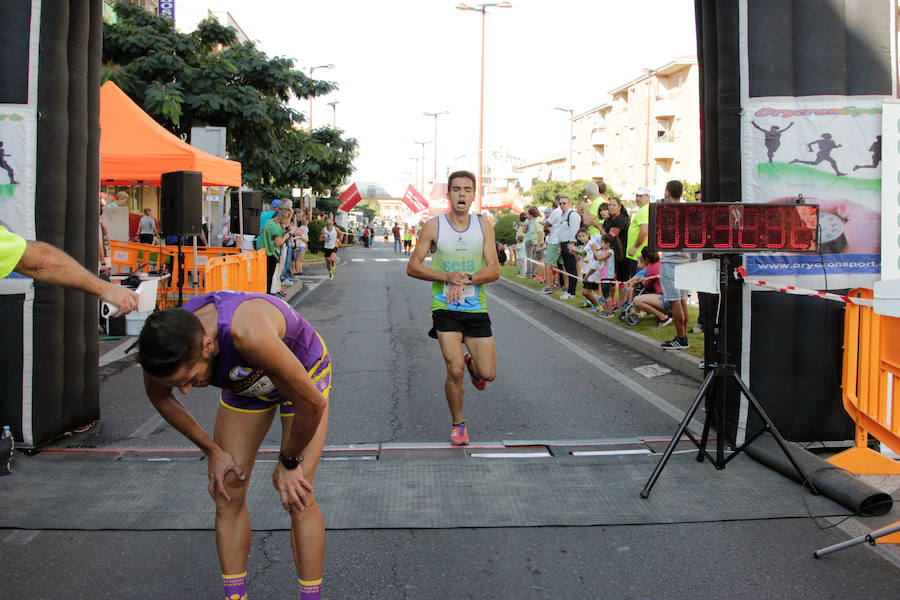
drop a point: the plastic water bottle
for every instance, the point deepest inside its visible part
(7, 446)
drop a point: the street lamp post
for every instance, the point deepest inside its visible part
(333, 104)
(482, 8)
(311, 69)
(423, 164)
(571, 119)
(416, 176)
(435, 115)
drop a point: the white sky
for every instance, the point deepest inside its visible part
(396, 60)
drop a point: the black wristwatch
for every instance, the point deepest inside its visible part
(469, 276)
(289, 463)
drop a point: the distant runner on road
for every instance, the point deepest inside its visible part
(332, 238)
(464, 258)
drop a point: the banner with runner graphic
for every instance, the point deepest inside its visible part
(827, 152)
(18, 115)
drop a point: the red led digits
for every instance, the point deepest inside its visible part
(695, 231)
(775, 236)
(667, 231)
(734, 227)
(748, 234)
(722, 234)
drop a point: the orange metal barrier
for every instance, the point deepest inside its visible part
(195, 261)
(243, 272)
(871, 385)
(125, 257)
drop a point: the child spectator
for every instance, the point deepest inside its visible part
(605, 259)
(520, 251)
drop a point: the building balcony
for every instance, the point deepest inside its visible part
(598, 138)
(664, 109)
(598, 170)
(663, 150)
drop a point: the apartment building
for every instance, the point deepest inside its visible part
(647, 134)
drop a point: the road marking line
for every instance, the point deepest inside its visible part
(664, 405)
(117, 353)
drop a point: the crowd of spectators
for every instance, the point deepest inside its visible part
(597, 243)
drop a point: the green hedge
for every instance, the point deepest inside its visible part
(503, 229)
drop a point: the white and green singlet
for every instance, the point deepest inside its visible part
(459, 251)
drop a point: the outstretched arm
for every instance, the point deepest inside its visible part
(49, 264)
(788, 127)
(757, 126)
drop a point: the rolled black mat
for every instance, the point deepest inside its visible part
(833, 482)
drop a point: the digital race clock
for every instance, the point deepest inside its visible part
(727, 227)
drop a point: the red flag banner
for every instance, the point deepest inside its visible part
(414, 200)
(349, 198)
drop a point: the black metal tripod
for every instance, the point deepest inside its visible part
(722, 372)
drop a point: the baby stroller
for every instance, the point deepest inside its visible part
(626, 309)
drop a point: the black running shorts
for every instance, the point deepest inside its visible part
(329, 251)
(469, 324)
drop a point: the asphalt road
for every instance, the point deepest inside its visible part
(556, 381)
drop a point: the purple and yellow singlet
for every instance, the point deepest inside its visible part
(245, 388)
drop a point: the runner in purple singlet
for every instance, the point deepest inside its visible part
(263, 355)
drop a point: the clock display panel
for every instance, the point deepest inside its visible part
(727, 227)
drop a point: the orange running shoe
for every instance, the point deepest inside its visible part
(478, 382)
(458, 434)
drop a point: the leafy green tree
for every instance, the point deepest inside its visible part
(690, 189)
(542, 193)
(205, 77)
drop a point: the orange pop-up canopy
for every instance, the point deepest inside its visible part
(136, 149)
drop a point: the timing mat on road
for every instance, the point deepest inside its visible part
(598, 490)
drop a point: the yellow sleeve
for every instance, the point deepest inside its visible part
(12, 247)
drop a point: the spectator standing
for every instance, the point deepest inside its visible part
(147, 227)
(637, 228)
(104, 248)
(522, 251)
(407, 239)
(265, 215)
(596, 194)
(551, 254)
(395, 230)
(569, 225)
(535, 227)
(271, 240)
(672, 297)
(302, 239)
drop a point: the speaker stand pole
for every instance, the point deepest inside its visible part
(241, 215)
(721, 372)
(180, 271)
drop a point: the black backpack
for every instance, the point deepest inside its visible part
(501, 253)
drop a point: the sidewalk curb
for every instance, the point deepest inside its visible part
(685, 364)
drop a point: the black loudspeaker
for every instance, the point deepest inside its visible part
(252, 203)
(181, 202)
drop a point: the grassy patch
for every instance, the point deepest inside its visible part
(646, 326)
